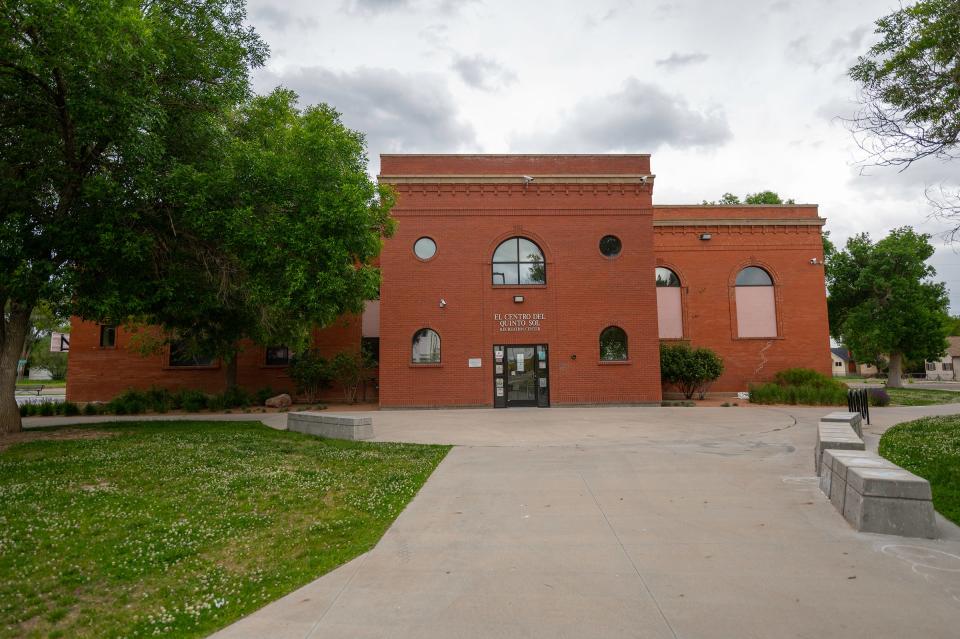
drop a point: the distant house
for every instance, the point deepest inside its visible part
(841, 360)
(844, 364)
(945, 367)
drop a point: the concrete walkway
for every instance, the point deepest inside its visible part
(626, 522)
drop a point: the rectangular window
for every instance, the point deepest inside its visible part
(948, 366)
(180, 355)
(108, 336)
(669, 312)
(277, 356)
(838, 364)
(370, 347)
(931, 366)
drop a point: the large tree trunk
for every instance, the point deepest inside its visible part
(13, 333)
(894, 379)
(230, 371)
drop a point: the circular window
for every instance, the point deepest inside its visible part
(610, 245)
(425, 248)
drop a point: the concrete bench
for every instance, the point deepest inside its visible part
(352, 427)
(875, 495)
(854, 420)
(834, 436)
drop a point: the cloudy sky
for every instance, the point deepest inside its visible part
(739, 95)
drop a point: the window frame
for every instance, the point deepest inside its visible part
(436, 249)
(777, 301)
(113, 329)
(626, 345)
(413, 341)
(518, 263)
(612, 256)
(266, 356)
(169, 365)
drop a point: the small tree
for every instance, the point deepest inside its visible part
(882, 302)
(41, 357)
(310, 372)
(691, 370)
(348, 370)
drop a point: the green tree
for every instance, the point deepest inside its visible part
(882, 302)
(953, 326)
(761, 197)
(691, 370)
(101, 105)
(910, 92)
(41, 357)
(280, 231)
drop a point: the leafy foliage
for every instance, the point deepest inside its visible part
(348, 370)
(909, 85)
(800, 386)
(878, 397)
(41, 357)
(311, 372)
(761, 197)
(691, 370)
(881, 299)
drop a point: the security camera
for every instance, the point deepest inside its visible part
(643, 179)
(443, 302)
(814, 261)
(527, 179)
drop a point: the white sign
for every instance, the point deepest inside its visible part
(743, 395)
(59, 342)
(474, 362)
(519, 362)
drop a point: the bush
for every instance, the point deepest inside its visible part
(70, 409)
(800, 386)
(46, 409)
(261, 396)
(159, 400)
(691, 370)
(878, 397)
(348, 371)
(90, 409)
(129, 402)
(190, 400)
(24, 410)
(310, 372)
(234, 398)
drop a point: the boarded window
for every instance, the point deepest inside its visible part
(756, 303)
(669, 305)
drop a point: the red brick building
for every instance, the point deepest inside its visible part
(543, 280)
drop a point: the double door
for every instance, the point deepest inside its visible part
(521, 375)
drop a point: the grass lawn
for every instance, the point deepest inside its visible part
(179, 528)
(921, 396)
(930, 447)
(49, 383)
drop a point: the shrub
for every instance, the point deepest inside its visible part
(800, 386)
(191, 400)
(24, 410)
(129, 402)
(70, 409)
(90, 409)
(262, 395)
(348, 371)
(691, 370)
(158, 400)
(878, 397)
(310, 372)
(46, 409)
(234, 398)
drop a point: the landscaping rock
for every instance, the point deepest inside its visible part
(279, 401)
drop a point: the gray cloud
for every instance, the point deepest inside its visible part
(397, 112)
(837, 109)
(369, 7)
(281, 19)
(910, 183)
(640, 117)
(839, 50)
(680, 60)
(481, 72)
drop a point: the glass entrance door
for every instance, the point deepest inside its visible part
(521, 379)
(520, 375)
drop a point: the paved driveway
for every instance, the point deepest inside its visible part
(620, 522)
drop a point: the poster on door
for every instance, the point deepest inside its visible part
(520, 361)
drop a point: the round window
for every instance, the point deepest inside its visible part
(425, 248)
(610, 245)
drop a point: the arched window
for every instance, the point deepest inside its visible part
(426, 347)
(756, 303)
(518, 261)
(669, 304)
(613, 344)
